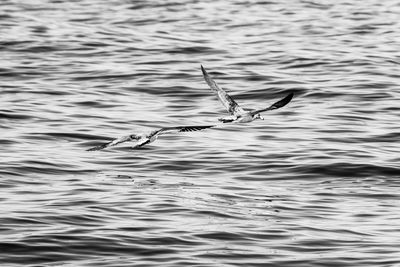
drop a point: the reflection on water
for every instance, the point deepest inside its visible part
(312, 185)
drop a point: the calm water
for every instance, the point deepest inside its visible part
(315, 184)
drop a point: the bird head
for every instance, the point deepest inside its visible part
(258, 116)
(135, 137)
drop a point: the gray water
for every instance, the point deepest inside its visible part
(315, 184)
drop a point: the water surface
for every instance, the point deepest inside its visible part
(315, 184)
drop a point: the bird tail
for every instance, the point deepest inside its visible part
(226, 120)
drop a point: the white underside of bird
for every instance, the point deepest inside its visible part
(238, 114)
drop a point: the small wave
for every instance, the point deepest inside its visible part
(14, 116)
(69, 136)
(345, 169)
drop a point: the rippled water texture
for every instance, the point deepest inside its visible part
(315, 184)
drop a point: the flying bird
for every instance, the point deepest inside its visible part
(144, 139)
(238, 114)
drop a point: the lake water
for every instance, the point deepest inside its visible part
(314, 184)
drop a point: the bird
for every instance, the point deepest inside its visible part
(238, 114)
(144, 139)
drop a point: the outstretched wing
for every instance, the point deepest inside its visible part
(231, 106)
(142, 143)
(114, 142)
(178, 129)
(281, 103)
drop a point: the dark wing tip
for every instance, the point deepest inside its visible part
(283, 102)
(203, 70)
(99, 147)
(195, 128)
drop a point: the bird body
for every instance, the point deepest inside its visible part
(246, 117)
